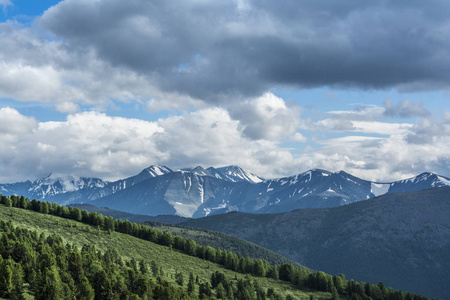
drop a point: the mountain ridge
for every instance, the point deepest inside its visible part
(198, 192)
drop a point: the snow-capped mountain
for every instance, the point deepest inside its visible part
(229, 173)
(197, 192)
(55, 187)
(55, 184)
(116, 186)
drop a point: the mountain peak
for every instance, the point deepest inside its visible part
(156, 170)
(236, 173)
(57, 177)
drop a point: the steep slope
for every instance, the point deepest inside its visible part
(373, 240)
(179, 193)
(123, 184)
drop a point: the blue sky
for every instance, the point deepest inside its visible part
(106, 88)
(24, 10)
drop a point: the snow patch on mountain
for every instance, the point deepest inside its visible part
(158, 170)
(444, 180)
(56, 183)
(379, 189)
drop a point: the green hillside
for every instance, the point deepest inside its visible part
(224, 241)
(41, 256)
(129, 247)
(201, 236)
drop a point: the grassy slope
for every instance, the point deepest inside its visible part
(201, 236)
(171, 261)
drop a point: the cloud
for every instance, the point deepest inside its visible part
(67, 107)
(217, 51)
(213, 65)
(379, 159)
(404, 109)
(5, 3)
(430, 130)
(98, 145)
(360, 112)
(267, 117)
(95, 144)
(12, 122)
(34, 68)
(86, 144)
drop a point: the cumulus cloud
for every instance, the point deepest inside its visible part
(95, 144)
(85, 144)
(267, 117)
(12, 122)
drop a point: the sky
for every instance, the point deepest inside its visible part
(106, 88)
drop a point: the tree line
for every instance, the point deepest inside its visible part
(300, 277)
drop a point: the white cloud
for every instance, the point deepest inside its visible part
(267, 117)
(87, 144)
(95, 144)
(298, 137)
(12, 122)
(67, 107)
(211, 137)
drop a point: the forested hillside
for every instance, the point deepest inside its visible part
(402, 239)
(223, 241)
(203, 237)
(78, 260)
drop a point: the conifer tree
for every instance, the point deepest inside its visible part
(191, 284)
(6, 276)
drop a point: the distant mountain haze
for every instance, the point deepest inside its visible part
(198, 192)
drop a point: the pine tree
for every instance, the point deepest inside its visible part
(6, 276)
(191, 283)
(85, 289)
(179, 278)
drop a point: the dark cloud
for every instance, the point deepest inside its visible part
(219, 49)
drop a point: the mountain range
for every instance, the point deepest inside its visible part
(198, 192)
